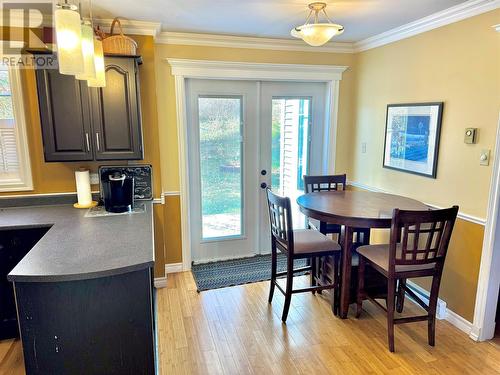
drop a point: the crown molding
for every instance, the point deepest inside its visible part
(231, 41)
(133, 27)
(454, 14)
(245, 70)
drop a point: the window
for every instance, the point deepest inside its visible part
(15, 171)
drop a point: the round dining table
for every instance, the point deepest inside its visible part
(353, 210)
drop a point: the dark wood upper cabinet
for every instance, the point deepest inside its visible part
(65, 117)
(116, 112)
(81, 123)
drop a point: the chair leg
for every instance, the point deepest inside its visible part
(273, 273)
(401, 295)
(322, 227)
(313, 272)
(336, 281)
(320, 269)
(432, 310)
(391, 291)
(361, 286)
(288, 291)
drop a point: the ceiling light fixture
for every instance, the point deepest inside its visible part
(100, 69)
(69, 39)
(88, 52)
(317, 33)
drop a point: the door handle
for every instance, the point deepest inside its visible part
(97, 141)
(88, 143)
(263, 185)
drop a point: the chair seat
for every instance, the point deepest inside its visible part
(310, 241)
(379, 255)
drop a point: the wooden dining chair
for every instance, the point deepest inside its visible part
(418, 245)
(314, 184)
(297, 244)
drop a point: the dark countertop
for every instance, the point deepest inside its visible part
(78, 247)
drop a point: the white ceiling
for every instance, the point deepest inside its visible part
(270, 18)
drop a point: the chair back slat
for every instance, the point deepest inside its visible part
(424, 236)
(280, 218)
(324, 183)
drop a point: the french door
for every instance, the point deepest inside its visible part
(242, 137)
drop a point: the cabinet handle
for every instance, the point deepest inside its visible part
(97, 141)
(88, 143)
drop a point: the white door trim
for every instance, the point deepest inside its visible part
(489, 275)
(204, 69)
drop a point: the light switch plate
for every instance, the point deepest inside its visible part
(484, 158)
(363, 147)
(470, 135)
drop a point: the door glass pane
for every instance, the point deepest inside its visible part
(220, 120)
(290, 146)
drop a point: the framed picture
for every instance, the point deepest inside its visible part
(412, 137)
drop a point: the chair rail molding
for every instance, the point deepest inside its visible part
(489, 278)
(182, 69)
(461, 215)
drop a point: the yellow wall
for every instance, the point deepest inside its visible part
(458, 64)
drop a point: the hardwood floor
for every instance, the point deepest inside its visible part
(11, 358)
(234, 330)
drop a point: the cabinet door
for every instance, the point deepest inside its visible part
(116, 112)
(65, 116)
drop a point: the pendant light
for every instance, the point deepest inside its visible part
(69, 39)
(316, 34)
(88, 52)
(100, 79)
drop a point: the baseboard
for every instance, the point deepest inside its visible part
(441, 310)
(444, 313)
(173, 268)
(461, 323)
(160, 282)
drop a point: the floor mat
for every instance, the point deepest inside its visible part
(232, 272)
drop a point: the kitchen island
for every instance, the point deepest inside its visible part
(84, 291)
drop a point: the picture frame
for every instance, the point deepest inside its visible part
(412, 133)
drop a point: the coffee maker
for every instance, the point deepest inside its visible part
(117, 191)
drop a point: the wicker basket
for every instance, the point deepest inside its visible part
(119, 44)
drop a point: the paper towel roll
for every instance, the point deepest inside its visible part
(83, 192)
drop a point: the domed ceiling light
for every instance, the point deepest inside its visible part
(317, 33)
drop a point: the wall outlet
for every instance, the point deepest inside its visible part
(94, 179)
(363, 147)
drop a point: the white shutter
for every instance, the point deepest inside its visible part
(9, 161)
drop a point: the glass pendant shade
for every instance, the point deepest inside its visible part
(317, 34)
(88, 52)
(69, 40)
(100, 79)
